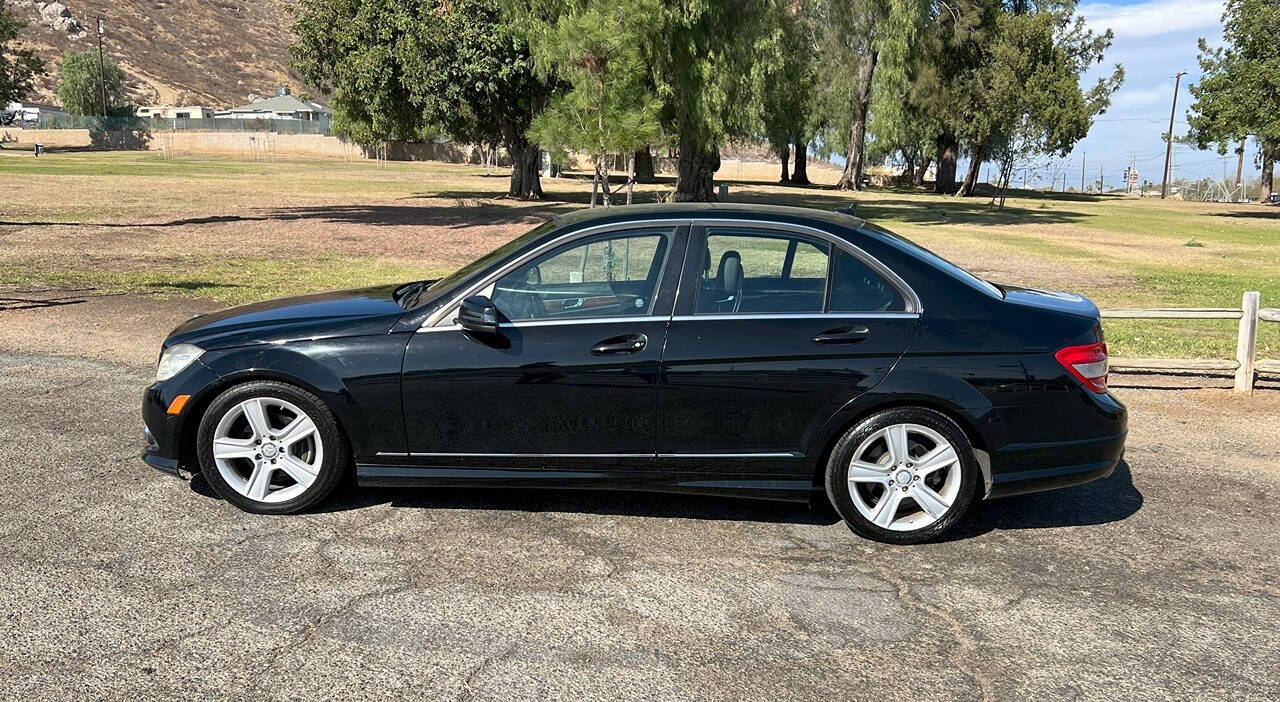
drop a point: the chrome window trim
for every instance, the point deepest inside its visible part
(795, 315)
(914, 305)
(492, 279)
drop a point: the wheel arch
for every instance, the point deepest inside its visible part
(963, 419)
(233, 375)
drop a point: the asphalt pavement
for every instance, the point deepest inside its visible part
(118, 582)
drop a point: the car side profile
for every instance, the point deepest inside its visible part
(738, 350)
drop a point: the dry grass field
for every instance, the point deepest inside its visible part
(233, 231)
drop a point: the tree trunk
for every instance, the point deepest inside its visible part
(696, 169)
(851, 179)
(644, 166)
(922, 171)
(948, 148)
(525, 181)
(971, 176)
(783, 156)
(1268, 168)
(800, 171)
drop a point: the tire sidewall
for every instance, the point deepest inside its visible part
(332, 466)
(842, 455)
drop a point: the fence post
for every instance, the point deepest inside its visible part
(1247, 342)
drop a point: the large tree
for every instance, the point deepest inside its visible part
(789, 92)
(707, 64)
(1006, 80)
(18, 65)
(409, 68)
(607, 109)
(864, 51)
(80, 88)
(1238, 94)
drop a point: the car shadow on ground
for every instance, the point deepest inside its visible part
(1110, 499)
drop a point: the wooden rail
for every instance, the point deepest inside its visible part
(1246, 364)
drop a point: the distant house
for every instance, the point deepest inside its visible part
(284, 106)
(171, 112)
(33, 111)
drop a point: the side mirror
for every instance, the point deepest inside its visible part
(477, 314)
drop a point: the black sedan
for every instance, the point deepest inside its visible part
(737, 350)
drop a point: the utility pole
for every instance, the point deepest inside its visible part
(1168, 153)
(102, 73)
(1083, 154)
(1239, 175)
(1101, 181)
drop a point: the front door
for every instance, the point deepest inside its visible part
(773, 333)
(570, 381)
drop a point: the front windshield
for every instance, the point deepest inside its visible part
(479, 264)
(921, 252)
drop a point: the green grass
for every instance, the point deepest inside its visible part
(1120, 252)
(230, 281)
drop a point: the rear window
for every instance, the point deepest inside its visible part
(913, 249)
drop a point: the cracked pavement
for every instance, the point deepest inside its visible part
(118, 581)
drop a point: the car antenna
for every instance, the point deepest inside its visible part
(851, 210)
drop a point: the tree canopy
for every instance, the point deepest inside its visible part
(80, 89)
(416, 68)
(18, 66)
(608, 108)
(1238, 94)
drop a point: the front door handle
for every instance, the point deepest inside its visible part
(628, 343)
(843, 335)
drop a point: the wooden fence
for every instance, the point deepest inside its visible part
(1246, 366)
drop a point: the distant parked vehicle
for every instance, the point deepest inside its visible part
(764, 352)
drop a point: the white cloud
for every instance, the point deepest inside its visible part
(1149, 19)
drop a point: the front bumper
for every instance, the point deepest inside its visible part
(164, 432)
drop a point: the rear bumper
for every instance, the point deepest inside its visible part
(1095, 428)
(1108, 450)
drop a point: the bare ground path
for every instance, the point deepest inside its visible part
(117, 581)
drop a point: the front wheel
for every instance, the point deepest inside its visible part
(902, 476)
(271, 448)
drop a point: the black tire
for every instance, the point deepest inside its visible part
(842, 455)
(333, 464)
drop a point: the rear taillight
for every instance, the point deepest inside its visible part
(1088, 363)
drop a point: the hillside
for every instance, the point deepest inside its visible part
(209, 52)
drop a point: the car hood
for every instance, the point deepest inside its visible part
(1069, 303)
(316, 316)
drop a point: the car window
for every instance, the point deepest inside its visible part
(749, 272)
(607, 276)
(856, 287)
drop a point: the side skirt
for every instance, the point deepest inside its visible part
(764, 487)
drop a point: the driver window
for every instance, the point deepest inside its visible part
(613, 275)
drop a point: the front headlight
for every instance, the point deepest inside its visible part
(175, 358)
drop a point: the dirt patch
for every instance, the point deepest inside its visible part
(87, 324)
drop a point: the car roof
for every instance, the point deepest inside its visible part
(727, 210)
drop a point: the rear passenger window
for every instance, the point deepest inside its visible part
(746, 272)
(856, 287)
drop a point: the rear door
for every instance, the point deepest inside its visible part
(776, 327)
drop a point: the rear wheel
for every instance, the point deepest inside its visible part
(271, 448)
(902, 476)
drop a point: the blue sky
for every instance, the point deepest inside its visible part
(1153, 40)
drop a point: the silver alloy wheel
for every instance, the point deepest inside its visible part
(267, 449)
(904, 477)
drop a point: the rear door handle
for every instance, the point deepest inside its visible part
(843, 335)
(628, 343)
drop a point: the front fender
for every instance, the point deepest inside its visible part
(357, 378)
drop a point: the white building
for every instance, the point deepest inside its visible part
(283, 106)
(32, 111)
(171, 112)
